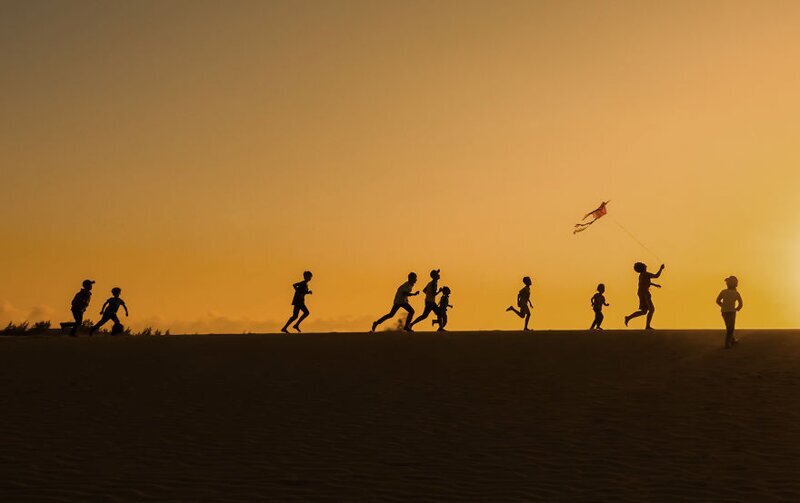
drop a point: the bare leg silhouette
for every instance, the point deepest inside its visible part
(430, 307)
(391, 314)
(105, 319)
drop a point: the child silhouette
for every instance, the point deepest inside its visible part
(110, 309)
(646, 306)
(598, 301)
(299, 302)
(444, 304)
(401, 302)
(730, 302)
(79, 304)
(523, 302)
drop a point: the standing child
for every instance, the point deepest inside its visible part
(524, 302)
(730, 303)
(79, 304)
(109, 310)
(401, 302)
(444, 303)
(646, 306)
(598, 301)
(299, 302)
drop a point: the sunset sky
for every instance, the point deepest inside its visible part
(201, 155)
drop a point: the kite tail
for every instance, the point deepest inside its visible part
(582, 227)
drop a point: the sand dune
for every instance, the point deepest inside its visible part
(481, 416)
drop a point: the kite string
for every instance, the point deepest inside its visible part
(630, 234)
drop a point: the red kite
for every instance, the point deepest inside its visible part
(595, 214)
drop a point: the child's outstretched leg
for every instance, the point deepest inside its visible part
(514, 310)
(634, 315)
(305, 314)
(295, 312)
(99, 324)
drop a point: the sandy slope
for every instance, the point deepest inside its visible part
(491, 416)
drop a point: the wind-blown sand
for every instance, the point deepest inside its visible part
(479, 416)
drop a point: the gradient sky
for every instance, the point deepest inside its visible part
(201, 155)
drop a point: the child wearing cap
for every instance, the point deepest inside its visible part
(79, 304)
(431, 290)
(730, 302)
(110, 309)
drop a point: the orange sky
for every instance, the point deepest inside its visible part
(201, 155)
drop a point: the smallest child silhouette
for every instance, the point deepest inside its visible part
(299, 302)
(109, 310)
(524, 302)
(444, 303)
(598, 301)
(730, 302)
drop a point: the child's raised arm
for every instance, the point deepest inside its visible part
(658, 274)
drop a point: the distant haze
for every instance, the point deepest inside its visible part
(201, 155)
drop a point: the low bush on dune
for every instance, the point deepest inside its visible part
(45, 327)
(25, 328)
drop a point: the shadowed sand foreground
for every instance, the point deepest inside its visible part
(488, 416)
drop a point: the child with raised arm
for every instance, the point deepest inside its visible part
(299, 302)
(524, 302)
(401, 302)
(110, 309)
(730, 302)
(646, 306)
(444, 304)
(598, 301)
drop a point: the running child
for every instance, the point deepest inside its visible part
(431, 290)
(646, 306)
(730, 302)
(598, 301)
(299, 302)
(401, 302)
(444, 304)
(523, 302)
(79, 304)
(110, 309)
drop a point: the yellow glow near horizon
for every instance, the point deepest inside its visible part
(201, 156)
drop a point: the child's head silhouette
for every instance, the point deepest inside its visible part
(307, 275)
(526, 280)
(412, 277)
(446, 290)
(116, 291)
(639, 267)
(87, 284)
(601, 288)
(732, 281)
(435, 274)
